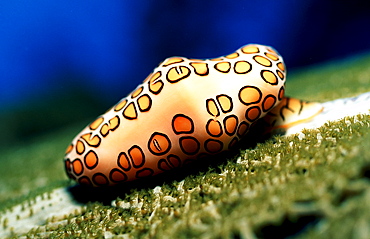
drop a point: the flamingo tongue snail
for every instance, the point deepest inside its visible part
(184, 110)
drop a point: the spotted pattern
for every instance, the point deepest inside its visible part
(130, 112)
(223, 67)
(159, 144)
(91, 160)
(100, 179)
(93, 141)
(225, 103)
(94, 125)
(112, 125)
(123, 161)
(269, 77)
(145, 172)
(230, 124)
(212, 108)
(118, 107)
(185, 110)
(189, 145)
(200, 68)
(242, 67)
(177, 73)
(253, 113)
(117, 176)
(214, 128)
(250, 95)
(144, 102)
(242, 129)
(137, 92)
(155, 84)
(137, 156)
(213, 145)
(80, 147)
(182, 124)
(172, 161)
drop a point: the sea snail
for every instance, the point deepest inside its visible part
(184, 110)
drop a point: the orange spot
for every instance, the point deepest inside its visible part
(120, 105)
(114, 123)
(242, 67)
(84, 180)
(68, 168)
(280, 74)
(163, 165)
(172, 60)
(104, 130)
(100, 179)
(182, 124)
(91, 159)
(189, 145)
(67, 164)
(155, 76)
(223, 67)
(281, 93)
(232, 143)
(137, 92)
(174, 160)
(159, 144)
(262, 60)
(253, 113)
(146, 172)
(268, 102)
(232, 55)
(69, 149)
(130, 112)
(281, 66)
(200, 68)
(144, 102)
(177, 73)
(269, 77)
(225, 102)
(94, 141)
(217, 59)
(212, 107)
(242, 129)
(155, 85)
(94, 125)
(214, 128)
(80, 147)
(272, 56)
(213, 146)
(77, 167)
(250, 49)
(117, 175)
(250, 95)
(230, 123)
(123, 161)
(137, 156)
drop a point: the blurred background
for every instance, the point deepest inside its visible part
(66, 61)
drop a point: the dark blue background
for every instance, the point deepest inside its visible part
(103, 49)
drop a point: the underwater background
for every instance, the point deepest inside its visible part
(65, 61)
(62, 63)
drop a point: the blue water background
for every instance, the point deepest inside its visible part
(103, 49)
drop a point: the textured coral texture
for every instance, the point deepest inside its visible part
(314, 184)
